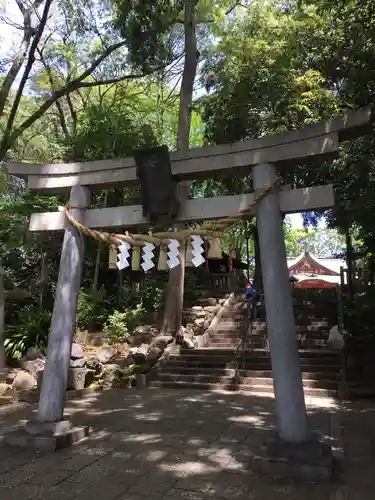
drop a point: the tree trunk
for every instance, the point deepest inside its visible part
(20, 57)
(175, 291)
(95, 281)
(2, 313)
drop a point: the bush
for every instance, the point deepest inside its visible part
(92, 310)
(116, 327)
(31, 330)
(119, 325)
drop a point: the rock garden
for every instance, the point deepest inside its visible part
(99, 361)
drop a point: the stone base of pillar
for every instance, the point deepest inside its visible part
(46, 436)
(311, 461)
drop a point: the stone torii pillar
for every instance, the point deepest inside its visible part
(292, 451)
(286, 370)
(50, 430)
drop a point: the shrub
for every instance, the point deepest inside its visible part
(92, 309)
(31, 330)
(116, 327)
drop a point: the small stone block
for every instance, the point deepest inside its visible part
(77, 378)
(46, 441)
(311, 461)
(35, 428)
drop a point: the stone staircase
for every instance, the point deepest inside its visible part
(214, 366)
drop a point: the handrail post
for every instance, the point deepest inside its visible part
(340, 309)
(343, 382)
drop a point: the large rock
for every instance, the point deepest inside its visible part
(139, 357)
(188, 343)
(199, 322)
(94, 364)
(201, 314)
(209, 301)
(142, 349)
(189, 329)
(77, 351)
(197, 309)
(125, 362)
(211, 309)
(111, 375)
(77, 363)
(162, 341)
(23, 381)
(143, 329)
(106, 354)
(33, 353)
(4, 388)
(33, 367)
(154, 353)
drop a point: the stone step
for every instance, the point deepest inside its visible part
(264, 365)
(313, 326)
(256, 364)
(261, 342)
(230, 372)
(268, 389)
(317, 370)
(247, 381)
(258, 353)
(257, 334)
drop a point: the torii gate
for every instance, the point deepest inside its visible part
(312, 144)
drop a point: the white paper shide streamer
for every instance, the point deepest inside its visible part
(123, 255)
(173, 254)
(147, 256)
(197, 246)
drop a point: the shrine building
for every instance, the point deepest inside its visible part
(311, 272)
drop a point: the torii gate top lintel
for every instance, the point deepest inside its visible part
(315, 142)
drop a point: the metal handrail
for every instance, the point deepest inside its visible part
(241, 344)
(244, 340)
(247, 333)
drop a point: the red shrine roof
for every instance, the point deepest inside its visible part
(307, 267)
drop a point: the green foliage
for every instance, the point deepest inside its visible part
(146, 25)
(31, 329)
(92, 309)
(260, 83)
(116, 327)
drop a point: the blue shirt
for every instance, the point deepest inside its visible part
(250, 292)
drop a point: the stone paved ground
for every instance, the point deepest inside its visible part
(174, 445)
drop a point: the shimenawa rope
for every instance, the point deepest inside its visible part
(207, 229)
